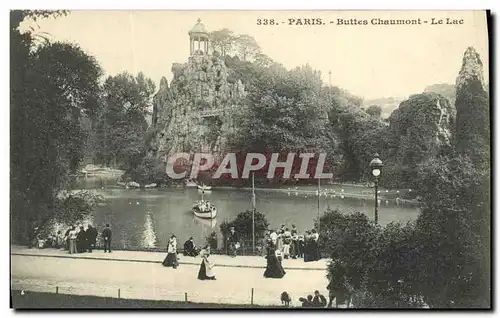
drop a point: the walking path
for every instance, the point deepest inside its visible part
(157, 257)
(139, 275)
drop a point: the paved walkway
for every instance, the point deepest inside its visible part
(156, 257)
(138, 275)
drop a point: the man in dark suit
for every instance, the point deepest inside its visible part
(189, 248)
(319, 300)
(106, 236)
(91, 233)
(81, 241)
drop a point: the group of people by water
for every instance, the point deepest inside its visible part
(283, 243)
(77, 239)
(289, 244)
(286, 243)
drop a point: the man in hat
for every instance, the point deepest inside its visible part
(91, 234)
(106, 236)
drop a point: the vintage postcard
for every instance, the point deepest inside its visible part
(250, 159)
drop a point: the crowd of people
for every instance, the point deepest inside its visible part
(78, 239)
(289, 244)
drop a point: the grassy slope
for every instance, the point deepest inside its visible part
(33, 300)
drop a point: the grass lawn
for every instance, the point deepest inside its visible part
(33, 300)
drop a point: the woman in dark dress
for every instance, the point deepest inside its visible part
(274, 268)
(206, 268)
(171, 258)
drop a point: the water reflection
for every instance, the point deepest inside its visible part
(148, 235)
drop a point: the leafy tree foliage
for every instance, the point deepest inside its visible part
(417, 131)
(282, 113)
(222, 41)
(243, 226)
(374, 110)
(246, 46)
(375, 266)
(52, 87)
(453, 231)
(445, 90)
(121, 127)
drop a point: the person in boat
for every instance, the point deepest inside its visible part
(171, 258)
(189, 248)
(206, 267)
(273, 268)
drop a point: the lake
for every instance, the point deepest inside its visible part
(143, 219)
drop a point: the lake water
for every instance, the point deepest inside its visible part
(143, 219)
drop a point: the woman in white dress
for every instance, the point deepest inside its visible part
(206, 268)
(171, 258)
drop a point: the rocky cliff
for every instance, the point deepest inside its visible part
(194, 113)
(473, 111)
(421, 127)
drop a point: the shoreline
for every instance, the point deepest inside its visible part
(326, 193)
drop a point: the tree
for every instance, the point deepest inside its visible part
(453, 231)
(52, 86)
(376, 266)
(246, 46)
(263, 60)
(149, 170)
(374, 110)
(121, 128)
(222, 41)
(447, 90)
(282, 113)
(421, 128)
(243, 226)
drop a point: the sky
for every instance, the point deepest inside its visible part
(370, 61)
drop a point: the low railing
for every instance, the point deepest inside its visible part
(253, 296)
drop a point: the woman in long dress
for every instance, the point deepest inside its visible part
(274, 268)
(206, 268)
(171, 258)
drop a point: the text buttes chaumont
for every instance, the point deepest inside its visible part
(379, 21)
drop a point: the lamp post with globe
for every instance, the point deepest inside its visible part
(376, 166)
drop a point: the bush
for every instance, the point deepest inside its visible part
(243, 226)
(377, 266)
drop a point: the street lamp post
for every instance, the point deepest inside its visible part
(376, 165)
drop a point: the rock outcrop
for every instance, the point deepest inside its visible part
(194, 113)
(473, 111)
(422, 126)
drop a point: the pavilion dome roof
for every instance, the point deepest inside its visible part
(199, 29)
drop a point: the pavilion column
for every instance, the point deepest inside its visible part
(191, 46)
(198, 44)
